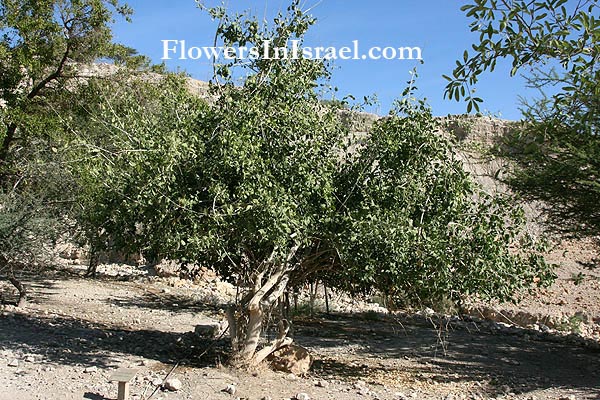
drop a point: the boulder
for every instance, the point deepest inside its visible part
(211, 331)
(292, 359)
(173, 384)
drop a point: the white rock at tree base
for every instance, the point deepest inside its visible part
(90, 370)
(173, 384)
(156, 381)
(302, 396)
(14, 363)
(231, 389)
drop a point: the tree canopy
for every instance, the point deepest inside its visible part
(265, 184)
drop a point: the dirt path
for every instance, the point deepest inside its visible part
(76, 332)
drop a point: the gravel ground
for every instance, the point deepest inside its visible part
(76, 332)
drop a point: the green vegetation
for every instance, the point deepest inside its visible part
(536, 36)
(41, 45)
(555, 44)
(571, 324)
(262, 183)
(264, 187)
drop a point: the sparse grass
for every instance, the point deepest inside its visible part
(571, 324)
(578, 278)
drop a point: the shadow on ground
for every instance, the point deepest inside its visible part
(70, 341)
(346, 346)
(424, 353)
(171, 302)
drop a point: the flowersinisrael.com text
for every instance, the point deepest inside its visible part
(179, 49)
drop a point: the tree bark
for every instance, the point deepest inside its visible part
(20, 288)
(11, 130)
(281, 341)
(249, 322)
(326, 298)
(93, 264)
(255, 313)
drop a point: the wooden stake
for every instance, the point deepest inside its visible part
(123, 376)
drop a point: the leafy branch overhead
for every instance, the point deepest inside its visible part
(536, 36)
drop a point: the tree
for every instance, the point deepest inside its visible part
(133, 140)
(245, 187)
(265, 185)
(555, 44)
(42, 46)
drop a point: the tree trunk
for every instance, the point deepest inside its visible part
(253, 331)
(93, 264)
(20, 288)
(247, 324)
(326, 298)
(8, 139)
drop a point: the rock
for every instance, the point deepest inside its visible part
(302, 396)
(428, 312)
(231, 389)
(90, 370)
(173, 384)
(364, 391)
(359, 385)
(266, 398)
(167, 269)
(30, 359)
(14, 363)
(292, 359)
(322, 384)
(156, 381)
(212, 331)
(544, 328)
(291, 377)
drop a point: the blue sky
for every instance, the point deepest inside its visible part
(437, 26)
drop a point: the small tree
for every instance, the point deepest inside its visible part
(245, 188)
(32, 215)
(133, 142)
(415, 226)
(265, 186)
(42, 45)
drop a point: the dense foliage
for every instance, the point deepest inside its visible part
(417, 228)
(135, 150)
(42, 44)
